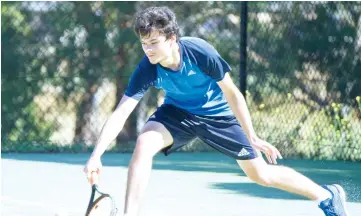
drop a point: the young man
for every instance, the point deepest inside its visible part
(200, 101)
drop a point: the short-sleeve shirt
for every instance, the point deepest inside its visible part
(193, 87)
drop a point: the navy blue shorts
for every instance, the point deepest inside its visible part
(221, 133)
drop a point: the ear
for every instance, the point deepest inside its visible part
(173, 38)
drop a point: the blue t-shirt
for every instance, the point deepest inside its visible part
(193, 87)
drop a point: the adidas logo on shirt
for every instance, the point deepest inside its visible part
(191, 72)
(243, 152)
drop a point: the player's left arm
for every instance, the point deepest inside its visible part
(239, 107)
(238, 104)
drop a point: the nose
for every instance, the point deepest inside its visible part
(147, 49)
(149, 52)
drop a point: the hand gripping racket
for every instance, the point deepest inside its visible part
(104, 204)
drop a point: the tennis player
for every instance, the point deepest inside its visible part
(201, 101)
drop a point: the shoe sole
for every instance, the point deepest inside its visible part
(343, 197)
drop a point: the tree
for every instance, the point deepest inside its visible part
(314, 57)
(21, 78)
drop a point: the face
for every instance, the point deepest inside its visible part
(157, 47)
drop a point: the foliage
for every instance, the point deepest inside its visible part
(67, 64)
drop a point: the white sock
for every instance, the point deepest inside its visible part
(324, 197)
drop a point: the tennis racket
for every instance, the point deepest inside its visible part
(104, 204)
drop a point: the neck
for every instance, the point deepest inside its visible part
(173, 61)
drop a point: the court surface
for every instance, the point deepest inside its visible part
(183, 184)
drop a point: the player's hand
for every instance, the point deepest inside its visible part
(269, 150)
(94, 164)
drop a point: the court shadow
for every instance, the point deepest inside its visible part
(332, 172)
(179, 161)
(347, 174)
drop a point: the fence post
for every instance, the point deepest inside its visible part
(243, 48)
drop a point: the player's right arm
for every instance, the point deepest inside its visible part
(112, 127)
(114, 124)
(142, 78)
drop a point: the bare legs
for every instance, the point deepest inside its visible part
(153, 138)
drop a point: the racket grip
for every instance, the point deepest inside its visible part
(94, 178)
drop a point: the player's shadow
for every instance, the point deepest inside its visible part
(353, 191)
(346, 174)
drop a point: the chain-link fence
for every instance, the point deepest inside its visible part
(304, 83)
(65, 66)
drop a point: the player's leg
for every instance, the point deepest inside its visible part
(282, 177)
(227, 136)
(153, 138)
(330, 198)
(166, 130)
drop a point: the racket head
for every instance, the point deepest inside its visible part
(103, 205)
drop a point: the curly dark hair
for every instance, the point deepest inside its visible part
(161, 19)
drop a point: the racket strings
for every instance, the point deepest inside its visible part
(104, 206)
(114, 210)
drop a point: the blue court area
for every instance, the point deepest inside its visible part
(208, 184)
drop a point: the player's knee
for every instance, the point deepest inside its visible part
(146, 146)
(261, 177)
(143, 148)
(263, 180)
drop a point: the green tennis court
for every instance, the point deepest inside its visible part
(182, 184)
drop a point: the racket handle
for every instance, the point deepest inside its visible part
(94, 178)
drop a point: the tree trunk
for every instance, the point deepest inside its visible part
(84, 133)
(126, 139)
